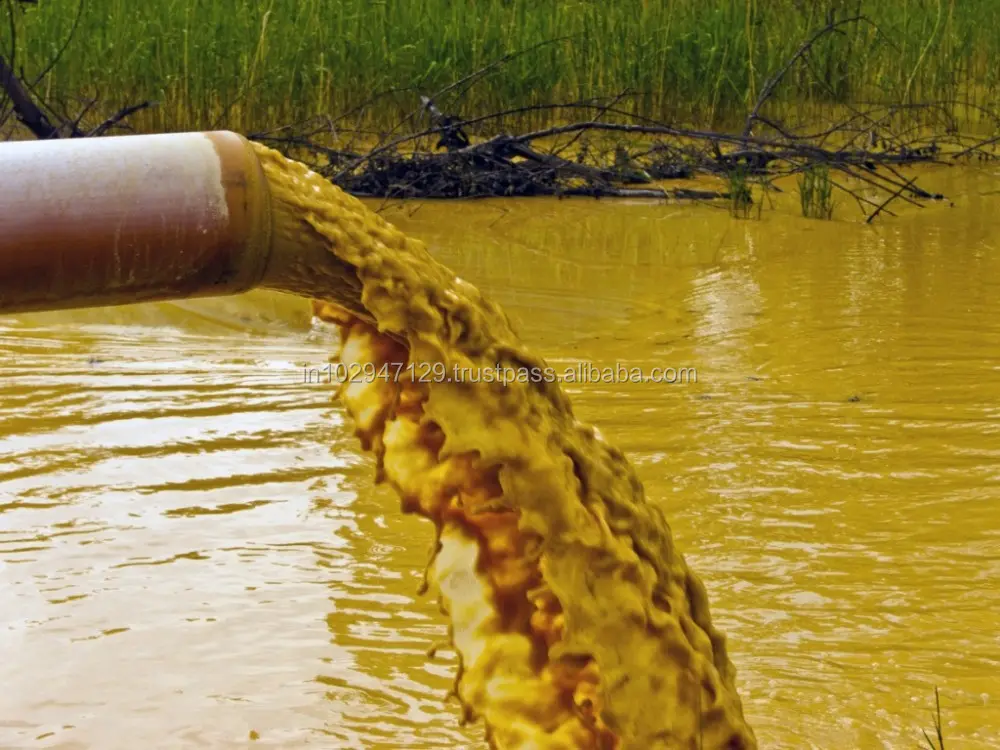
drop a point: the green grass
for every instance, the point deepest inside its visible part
(937, 741)
(253, 64)
(740, 193)
(816, 192)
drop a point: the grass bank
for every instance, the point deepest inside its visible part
(251, 64)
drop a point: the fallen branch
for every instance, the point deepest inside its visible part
(887, 201)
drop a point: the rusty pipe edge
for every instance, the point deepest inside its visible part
(110, 221)
(89, 222)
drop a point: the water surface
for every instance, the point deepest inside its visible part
(193, 554)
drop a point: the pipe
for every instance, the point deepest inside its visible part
(88, 222)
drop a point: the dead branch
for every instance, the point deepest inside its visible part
(25, 109)
(119, 116)
(887, 201)
(773, 81)
(515, 165)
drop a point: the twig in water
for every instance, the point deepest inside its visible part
(889, 200)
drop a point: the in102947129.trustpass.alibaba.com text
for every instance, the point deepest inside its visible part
(438, 372)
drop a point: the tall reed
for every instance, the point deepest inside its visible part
(251, 64)
(816, 192)
(740, 193)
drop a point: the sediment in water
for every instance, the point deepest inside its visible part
(576, 621)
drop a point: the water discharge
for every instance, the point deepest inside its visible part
(576, 623)
(193, 550)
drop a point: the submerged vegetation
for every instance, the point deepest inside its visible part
(249, 65)
(937, 741)
(740, 193)
(816, 192)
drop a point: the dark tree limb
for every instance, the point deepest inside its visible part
(25, 109)
(887, 201)
(116, 118)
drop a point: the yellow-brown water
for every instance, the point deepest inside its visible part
(575, 622)
(193, 548)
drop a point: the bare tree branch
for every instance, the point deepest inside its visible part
(774, 80)
(25, 109)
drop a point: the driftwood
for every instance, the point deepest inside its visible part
(443, 161)
(456, 157)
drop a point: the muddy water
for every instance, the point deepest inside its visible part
(193, 554)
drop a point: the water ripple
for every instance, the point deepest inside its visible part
(192, 548)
